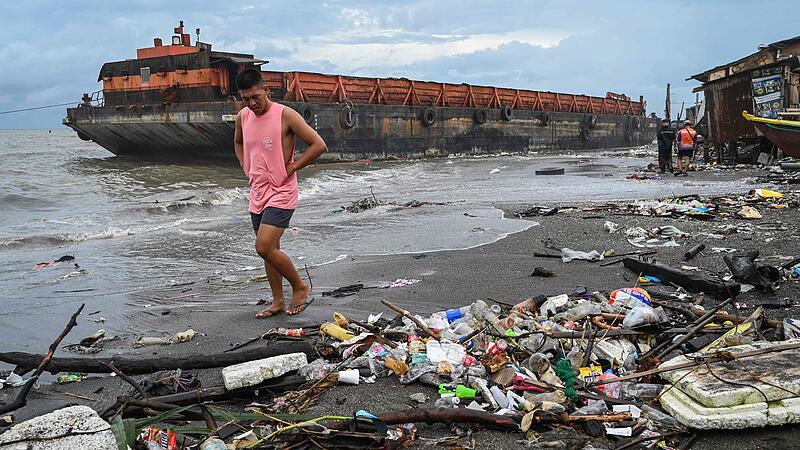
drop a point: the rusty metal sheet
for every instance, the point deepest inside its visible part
(321, 88)
(725, 102)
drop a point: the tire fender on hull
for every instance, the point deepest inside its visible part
(428, 116)
(506, 112)
(307, 112)
(480, 116)
(347, 117)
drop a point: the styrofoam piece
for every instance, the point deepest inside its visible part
(749, 415)
(63, 429)
(778, 377)
(252, 373)
(692, 414)
(635, 411)
(625, 431)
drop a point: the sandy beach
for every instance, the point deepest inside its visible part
(225, 311)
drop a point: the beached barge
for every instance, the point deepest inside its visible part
(179, 101)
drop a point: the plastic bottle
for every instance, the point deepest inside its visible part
(499, 397)
(457, 313)
(459, 390)
(538, 363)
(525, 306)
(594, 407)
(498, 347)
(447, 402)
(213, 444)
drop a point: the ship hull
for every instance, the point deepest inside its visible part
(199, 131)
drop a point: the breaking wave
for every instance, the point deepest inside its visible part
(108, 233)
(215, 198)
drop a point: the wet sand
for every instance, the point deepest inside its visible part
(225, 312)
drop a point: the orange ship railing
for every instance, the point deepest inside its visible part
(320, 88)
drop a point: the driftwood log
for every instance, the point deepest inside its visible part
(448, 416)
(136, 366)
(41, 363)
(693, 281)
(432, 333)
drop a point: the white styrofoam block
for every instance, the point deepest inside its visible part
(63, 429)
(692, 414)
(775, 375)
(252, 373)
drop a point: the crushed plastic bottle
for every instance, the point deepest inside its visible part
(659, 418)
(640, 391)
(594, 407)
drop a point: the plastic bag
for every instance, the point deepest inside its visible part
(643, 316)
(568, 254)
(629, 298)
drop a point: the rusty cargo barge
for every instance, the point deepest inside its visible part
(180, 100)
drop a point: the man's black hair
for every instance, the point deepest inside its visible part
(249, 78)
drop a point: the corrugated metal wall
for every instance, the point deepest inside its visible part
(725, 102)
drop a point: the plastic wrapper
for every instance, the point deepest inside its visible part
(415, 371)
(629, 298)
(583, 309)
(316, 370)
(610, 389)
(395, 365)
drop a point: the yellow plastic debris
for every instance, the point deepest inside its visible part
(340, 319)
(336, 332)
(766, 193)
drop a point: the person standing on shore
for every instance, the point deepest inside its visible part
(666, 136)
(264, 144)
(687, 142)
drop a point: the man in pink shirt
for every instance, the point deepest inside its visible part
(264, 143)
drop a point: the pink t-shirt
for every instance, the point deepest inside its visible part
(263, 161)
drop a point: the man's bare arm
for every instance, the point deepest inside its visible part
(238, 141)
(316, 146)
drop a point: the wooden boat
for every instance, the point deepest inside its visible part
(783, 133)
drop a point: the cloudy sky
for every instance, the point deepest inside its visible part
(51, 52)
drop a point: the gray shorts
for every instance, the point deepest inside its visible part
(277, 217)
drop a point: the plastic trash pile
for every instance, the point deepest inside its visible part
(535, 361)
